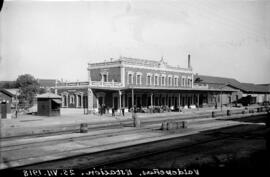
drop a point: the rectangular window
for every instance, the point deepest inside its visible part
(175, 82)
(105, 78)
(138, 81)
(149, 80)
(156, 80)
(189, 82)
(183, 82)
(130, 78)
(170, 81)
(163, 80)
(71, 99)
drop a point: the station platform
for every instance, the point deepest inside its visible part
(71, 119)
(27, 151)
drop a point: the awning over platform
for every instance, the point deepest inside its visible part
(57, 101)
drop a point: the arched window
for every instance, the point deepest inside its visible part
(71, 99)
(149, 79)
(156, 79)
(138, 78)
(169, 80)
(175, 81)
(130, 78)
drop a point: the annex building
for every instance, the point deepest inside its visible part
(126, 83)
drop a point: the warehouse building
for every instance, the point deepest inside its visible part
(246, 93)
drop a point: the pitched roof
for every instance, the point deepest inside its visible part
(246, 87)
(254, 88)
(48, 95)
(220, 87)
(216, 80)
(13, 91)
(10, 92)
(6, 92)
(266, 86)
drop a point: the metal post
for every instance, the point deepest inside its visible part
(198, 100)
(151, 99)
(16, 111)
(89, 100)
(77, 103)
(97, 102)
(124, 100)
(120, 106)
(132, 99)
(82, 100)
(179, 101)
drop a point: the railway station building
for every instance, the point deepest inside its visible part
(127, 83)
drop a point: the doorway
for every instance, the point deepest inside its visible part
(115, 102)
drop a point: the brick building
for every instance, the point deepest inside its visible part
(129, 82)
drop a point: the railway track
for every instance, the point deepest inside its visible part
(106, 159)
(141, 136)
(8, 145)
(61, 139)
(102, 126)
(67, 129)
(220, 137)
(135, 151)
(76, 156)
(11, 144)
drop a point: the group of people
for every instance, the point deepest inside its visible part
(102, 110)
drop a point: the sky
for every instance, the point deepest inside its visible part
(56, 39)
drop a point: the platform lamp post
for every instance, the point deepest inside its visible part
(132, 99)
(136, 122)
(120, 103)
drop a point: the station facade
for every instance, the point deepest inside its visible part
(129, 82)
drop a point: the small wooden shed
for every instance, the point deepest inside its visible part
(5, 104)
(48, 104)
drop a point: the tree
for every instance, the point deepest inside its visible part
(41, 90)
(28, 88)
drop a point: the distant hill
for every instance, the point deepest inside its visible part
(7, 84)
(42, 82)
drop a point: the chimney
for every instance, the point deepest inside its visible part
(189, 66)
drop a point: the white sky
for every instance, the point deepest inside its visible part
(229, 38)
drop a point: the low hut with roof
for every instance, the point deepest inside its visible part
(48, 104)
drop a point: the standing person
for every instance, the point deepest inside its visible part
(99, 110)
(135, 109)
(123, 111)
(16, 113)
(113, 112)
(103, 109)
